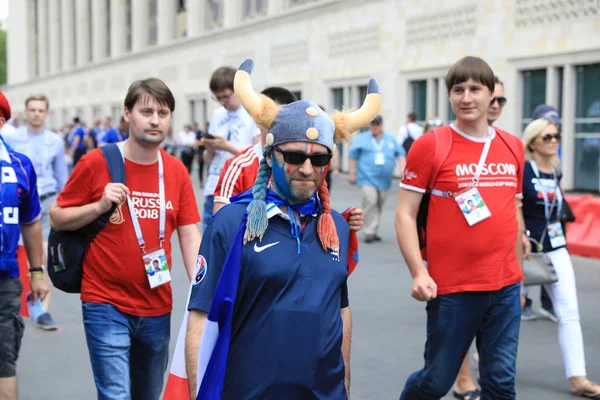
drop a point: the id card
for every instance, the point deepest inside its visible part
(35, 309)
(379, 158)
(472, 206)
(556, 235)
(157, 268)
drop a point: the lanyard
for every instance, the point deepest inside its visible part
(483, 157)
(378, 146)
(557, 193)
(161, 199)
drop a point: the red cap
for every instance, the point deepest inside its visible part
(4, 106)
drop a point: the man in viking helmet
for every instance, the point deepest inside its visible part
(273, 290)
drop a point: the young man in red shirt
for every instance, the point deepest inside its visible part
(126, 303)
(473, 273)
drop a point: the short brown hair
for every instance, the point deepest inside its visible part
(37, 97)
(153, 87)
(470, 68)
(222, 79)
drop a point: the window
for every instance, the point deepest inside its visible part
(181, 6)
(96, 112)
(534, 93)
(587, 128)
(128, 22)
(152, 22)
(337, 103)
(419, 99)
(254, 8)
(297, 94)
(214, 13)
(36, 27)
(198, 112)
(116, 112)
(90, 21)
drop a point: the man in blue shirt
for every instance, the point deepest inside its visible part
(20, 210)
(115, 134)
(77, 141)
(46, 150)
(373, 157)
(290, 251)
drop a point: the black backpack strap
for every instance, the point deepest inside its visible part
(116, 167)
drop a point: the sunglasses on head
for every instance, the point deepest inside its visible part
(548, 137)
(501, 101)
(434, 122)
(298, 157)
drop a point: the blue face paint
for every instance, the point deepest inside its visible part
(280, 180)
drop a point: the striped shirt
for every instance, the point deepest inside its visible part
(238, 174)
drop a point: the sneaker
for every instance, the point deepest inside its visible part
(377, 238)
(46, 322)
(527, 314)
(548, 314)
(369, 239)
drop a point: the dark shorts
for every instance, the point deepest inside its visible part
(11, 326)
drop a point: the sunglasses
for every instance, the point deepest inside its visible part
(298, 157)
(548, 137)
(501, 101)
(434, 122)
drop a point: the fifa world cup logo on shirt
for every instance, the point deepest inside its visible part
(117, 216)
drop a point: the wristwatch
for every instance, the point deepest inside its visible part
(526, 232)
(41, 269)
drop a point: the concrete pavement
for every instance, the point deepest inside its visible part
(388, 338)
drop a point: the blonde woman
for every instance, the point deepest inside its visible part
(542, 199)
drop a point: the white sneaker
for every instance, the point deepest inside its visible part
(542, 312)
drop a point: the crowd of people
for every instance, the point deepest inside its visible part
(269, 266)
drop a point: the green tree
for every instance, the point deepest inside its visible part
(2, 56)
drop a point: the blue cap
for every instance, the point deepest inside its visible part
(546, 111)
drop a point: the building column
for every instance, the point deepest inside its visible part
(117, 27)
(275, 6)
(431, 103)
(442, 100)
(67, 42)
(54, 43)
(568, 127)
(139, 25)
(196, 18)
(166, 16)
(42, 37)
(231, 11)
(82, 32)
(552, 86)
(99, 30)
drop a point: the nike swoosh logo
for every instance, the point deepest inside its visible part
(258, 248)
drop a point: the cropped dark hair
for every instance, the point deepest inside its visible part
(412, 116)
(153, 87)
(222, 79)
(470, 68)
(279, 95)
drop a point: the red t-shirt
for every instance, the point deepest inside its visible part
(238, 175)
(113, 269)
(462, 258)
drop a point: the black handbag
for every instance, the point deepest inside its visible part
(566, 213)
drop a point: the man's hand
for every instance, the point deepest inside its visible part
(113, 193)
(352, 177)
(423, 288)
(216, 143)
(526, 246)
(356, 220)
(39, 288)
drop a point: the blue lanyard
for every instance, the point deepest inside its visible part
(558, 199)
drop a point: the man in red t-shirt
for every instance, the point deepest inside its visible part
(126, 302)
(473, 273)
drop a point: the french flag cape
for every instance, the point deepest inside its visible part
(214, 343)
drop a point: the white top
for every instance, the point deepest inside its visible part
(413, 129)
(187, 138)
(239, 129)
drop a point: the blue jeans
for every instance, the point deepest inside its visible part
(207, 211)
(453, 320)
(129, 354)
